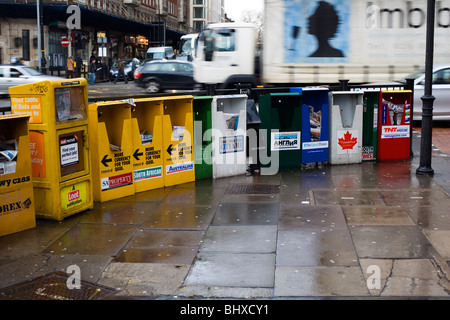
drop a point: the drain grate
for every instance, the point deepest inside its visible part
(53, 286)
(253, 189)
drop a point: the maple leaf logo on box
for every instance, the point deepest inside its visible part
(348, 142)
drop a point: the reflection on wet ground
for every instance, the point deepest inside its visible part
(314, 235)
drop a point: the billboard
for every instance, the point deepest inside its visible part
(377, 32)
(317, 31)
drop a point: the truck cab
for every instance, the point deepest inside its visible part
(186, 47)
(226, 55)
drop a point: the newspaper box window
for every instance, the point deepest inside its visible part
(69, 105)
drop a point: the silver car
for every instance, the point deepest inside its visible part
(441, 91)
(15, 75)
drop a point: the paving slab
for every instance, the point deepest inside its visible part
(322, 217)
(440, 239)
(95, 239)
(413, 277)
(315, 247)
(248, 213)
(319, 281)
(233, 270)
(145, 279)
(375, 215)
(391, 242)
(180, 217)
(431, 217)
(240, 239)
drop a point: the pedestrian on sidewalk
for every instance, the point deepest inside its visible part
(69, 67)
(78, 66)
(92, 69)
(121, 71)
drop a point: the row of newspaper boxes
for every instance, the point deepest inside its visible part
(65, 154)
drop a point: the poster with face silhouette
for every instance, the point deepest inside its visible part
(317, 31)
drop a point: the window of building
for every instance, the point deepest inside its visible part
(56, 52)
(198, 2)
(26, 45)
(198, 25)
(199, 13)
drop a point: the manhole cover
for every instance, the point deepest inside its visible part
(253, 189)
(53, 286)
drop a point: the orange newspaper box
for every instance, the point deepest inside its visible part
(16, 186)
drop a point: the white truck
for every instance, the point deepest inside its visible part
(186, 46)
(321, 42)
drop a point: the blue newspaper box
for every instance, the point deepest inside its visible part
(315, 124)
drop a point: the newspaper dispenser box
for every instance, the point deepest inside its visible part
(229, 126)
(59, 145)
(346, 127)
(178, 138)
(146, 128)
(315, 123)
(202, 137)
(16, 186)
(394, 118)
(112, 150)
(281, 119)
(370, 125)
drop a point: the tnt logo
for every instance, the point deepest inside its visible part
(388, 130)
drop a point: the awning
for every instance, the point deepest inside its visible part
(89, 17)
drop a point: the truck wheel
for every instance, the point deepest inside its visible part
(153, 87)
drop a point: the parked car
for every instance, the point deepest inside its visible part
(130, 66)
(162, 75)
(16, 75)
(441, 91)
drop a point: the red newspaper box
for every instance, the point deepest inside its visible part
(394, 125)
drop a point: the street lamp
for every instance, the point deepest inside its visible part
(428, 98)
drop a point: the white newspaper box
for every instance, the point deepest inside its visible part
(229, 135)
(346, 128)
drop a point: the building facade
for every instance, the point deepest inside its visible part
(204, 11)
(108, 29)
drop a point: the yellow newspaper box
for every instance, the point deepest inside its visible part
(178, 135)
(16, 186)
(59, 145)
(146, 127)
(112, 150)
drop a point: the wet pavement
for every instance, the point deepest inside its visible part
(316, 233)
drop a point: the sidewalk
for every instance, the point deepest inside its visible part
(315, 233)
